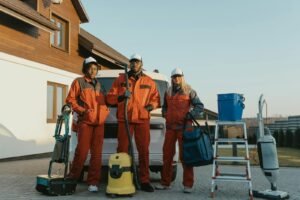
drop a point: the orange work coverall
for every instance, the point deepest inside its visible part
(88, 102)
(175, 109)
(143, 92)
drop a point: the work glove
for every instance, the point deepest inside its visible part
(149, 107)
(126, 95)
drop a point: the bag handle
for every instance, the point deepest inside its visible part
(193, 119)
(198, 125)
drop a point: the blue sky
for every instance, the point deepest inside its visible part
(225, 46)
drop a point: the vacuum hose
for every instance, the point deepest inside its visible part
(131, 151)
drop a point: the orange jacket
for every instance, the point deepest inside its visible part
(143, 92)
(88, 101)
(178, 106)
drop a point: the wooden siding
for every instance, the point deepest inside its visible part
(23, 40)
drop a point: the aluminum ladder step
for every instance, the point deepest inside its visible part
(231, 140)
(232, 176)
(233, 159)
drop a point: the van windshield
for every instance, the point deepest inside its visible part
(162, 86)
(106, 84)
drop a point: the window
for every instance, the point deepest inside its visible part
(56, 94)
(60, 38)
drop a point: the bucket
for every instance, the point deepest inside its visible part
(230, 106)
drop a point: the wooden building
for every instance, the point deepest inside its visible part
(42, 48)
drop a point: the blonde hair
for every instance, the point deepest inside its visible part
(186, 88)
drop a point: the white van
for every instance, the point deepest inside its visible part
(157, 126)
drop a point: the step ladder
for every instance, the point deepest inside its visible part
(217, 176)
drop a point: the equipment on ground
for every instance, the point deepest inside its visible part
(236, 174)
(230, 107)
(267, 153)
(120, 175)
(122, 168)
(58, 184)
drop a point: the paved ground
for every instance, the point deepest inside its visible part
(17, 181)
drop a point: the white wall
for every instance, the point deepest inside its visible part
(23, 105)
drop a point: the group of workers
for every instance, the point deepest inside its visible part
(91, 107)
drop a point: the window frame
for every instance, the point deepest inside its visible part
(54, 99)
(64, 33)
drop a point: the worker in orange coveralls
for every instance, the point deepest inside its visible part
(143, 98)
(88, 102)
(180, 99)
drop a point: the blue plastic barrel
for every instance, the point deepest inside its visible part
(230, 106)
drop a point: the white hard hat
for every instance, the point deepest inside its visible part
(90, 60)
(136, 57)
(177, 71)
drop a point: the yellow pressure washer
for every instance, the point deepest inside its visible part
(122, 168)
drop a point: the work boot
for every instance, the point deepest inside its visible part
(162, 187)
(147, 187)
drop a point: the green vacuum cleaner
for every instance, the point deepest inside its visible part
(54, 185)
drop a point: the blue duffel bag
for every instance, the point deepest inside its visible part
(197, 146)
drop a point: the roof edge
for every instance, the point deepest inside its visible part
(96, 45)
(84, 18)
